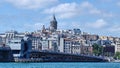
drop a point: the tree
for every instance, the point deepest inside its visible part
(117, 55)
(97, 49)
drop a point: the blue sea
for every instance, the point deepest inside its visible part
(60, 65)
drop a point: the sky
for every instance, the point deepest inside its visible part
(100, 17)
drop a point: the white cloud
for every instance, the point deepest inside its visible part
(35, 26)
(114, 28)
(86, 4)
(62, 25)
(75, 25)
(38, 25)
(108, 15)
(67, 15)
(100, 23)
(65, 10)
(31, 4)
(66, 7)
(106, 1)
(72, 25)
(95, 11)
(69, 10)
(90, 8)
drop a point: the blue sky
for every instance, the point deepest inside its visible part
(94, 16)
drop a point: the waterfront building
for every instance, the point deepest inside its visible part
(76, 48)
(7, 36)
(2, 35)
(54, 44)
(65, 45)
(36, 43)
(50, 44)
(15, 45)
(109, 50)
(86, 49)
(71, 41)
(45, 44)
(10, 34)
(117, 46)
(13, 40)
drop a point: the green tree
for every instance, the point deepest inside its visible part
(97, 49)
(117, 55)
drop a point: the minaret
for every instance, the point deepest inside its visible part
(53, 24)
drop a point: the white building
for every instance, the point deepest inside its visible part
(15, 45)
(50, 44)
(65, 45)
(7, 36)
(45, 44)
(117, 46)
(76, 49)
(36, 43)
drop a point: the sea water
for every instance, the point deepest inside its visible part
(60, 65)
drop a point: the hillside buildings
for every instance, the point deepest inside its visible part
(72, 41)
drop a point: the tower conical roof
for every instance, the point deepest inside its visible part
(53, 23)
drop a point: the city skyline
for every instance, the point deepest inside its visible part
(96, 17)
